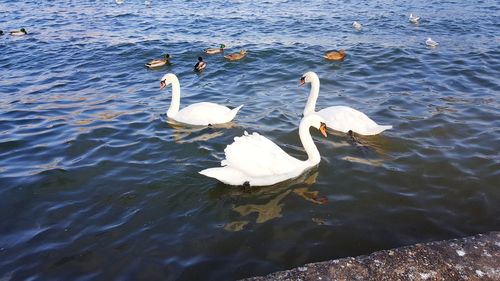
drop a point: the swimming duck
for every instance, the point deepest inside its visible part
(1, 32)
(413, 19)
(159, 62)
(254, 160)
(200, 65)
(335, 55)
(357, 26)
(19, 32)
(236, 56)
(339, 118)
(212, 51)
(431, 43)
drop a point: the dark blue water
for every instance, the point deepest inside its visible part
(96, 184)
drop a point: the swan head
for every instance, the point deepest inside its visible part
(322, 129)
(308, 77)
(167, 79)
(316, 121)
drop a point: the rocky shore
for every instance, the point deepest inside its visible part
(470, 258)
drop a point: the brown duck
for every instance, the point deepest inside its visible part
(236, 56)
(335, 55)
(159, 62)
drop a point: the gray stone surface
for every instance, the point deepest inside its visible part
(471, 258)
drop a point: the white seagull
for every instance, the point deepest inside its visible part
(357, 26)
(413, 19)
(431, 43)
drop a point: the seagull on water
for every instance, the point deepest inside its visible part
(413, 19)
(431, 43)
(357, 25)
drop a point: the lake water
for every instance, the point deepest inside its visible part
(95, 184)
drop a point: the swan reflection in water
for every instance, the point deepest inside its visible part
(188, 134)
(273, 197)
(265, 212)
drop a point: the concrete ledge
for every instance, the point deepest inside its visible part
(471, 258)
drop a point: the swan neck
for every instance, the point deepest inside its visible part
(313, 96)
(309, 146)
(176, 98)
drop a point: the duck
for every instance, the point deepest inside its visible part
(197, 114)
(431, 43)
(335, 55)
(212, 51)
(357, 26)
(20, 32)
(339, 118)
(236, 56)
(1, 32)
(159, 62)
(413, 19)
(200, 65)
(254, 160)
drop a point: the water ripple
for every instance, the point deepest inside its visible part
(97, 183)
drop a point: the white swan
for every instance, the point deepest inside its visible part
(256, 161)
(200, 114)
(339, 118)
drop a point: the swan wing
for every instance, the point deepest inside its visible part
(257, 156)
(344, 118)
(204, 113)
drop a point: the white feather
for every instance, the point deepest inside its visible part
(344, 118)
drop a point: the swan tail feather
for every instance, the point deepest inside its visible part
(385, 127)
(379, 129)
(226, 175)
(234, 111)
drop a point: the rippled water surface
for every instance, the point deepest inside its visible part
(96, 184)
